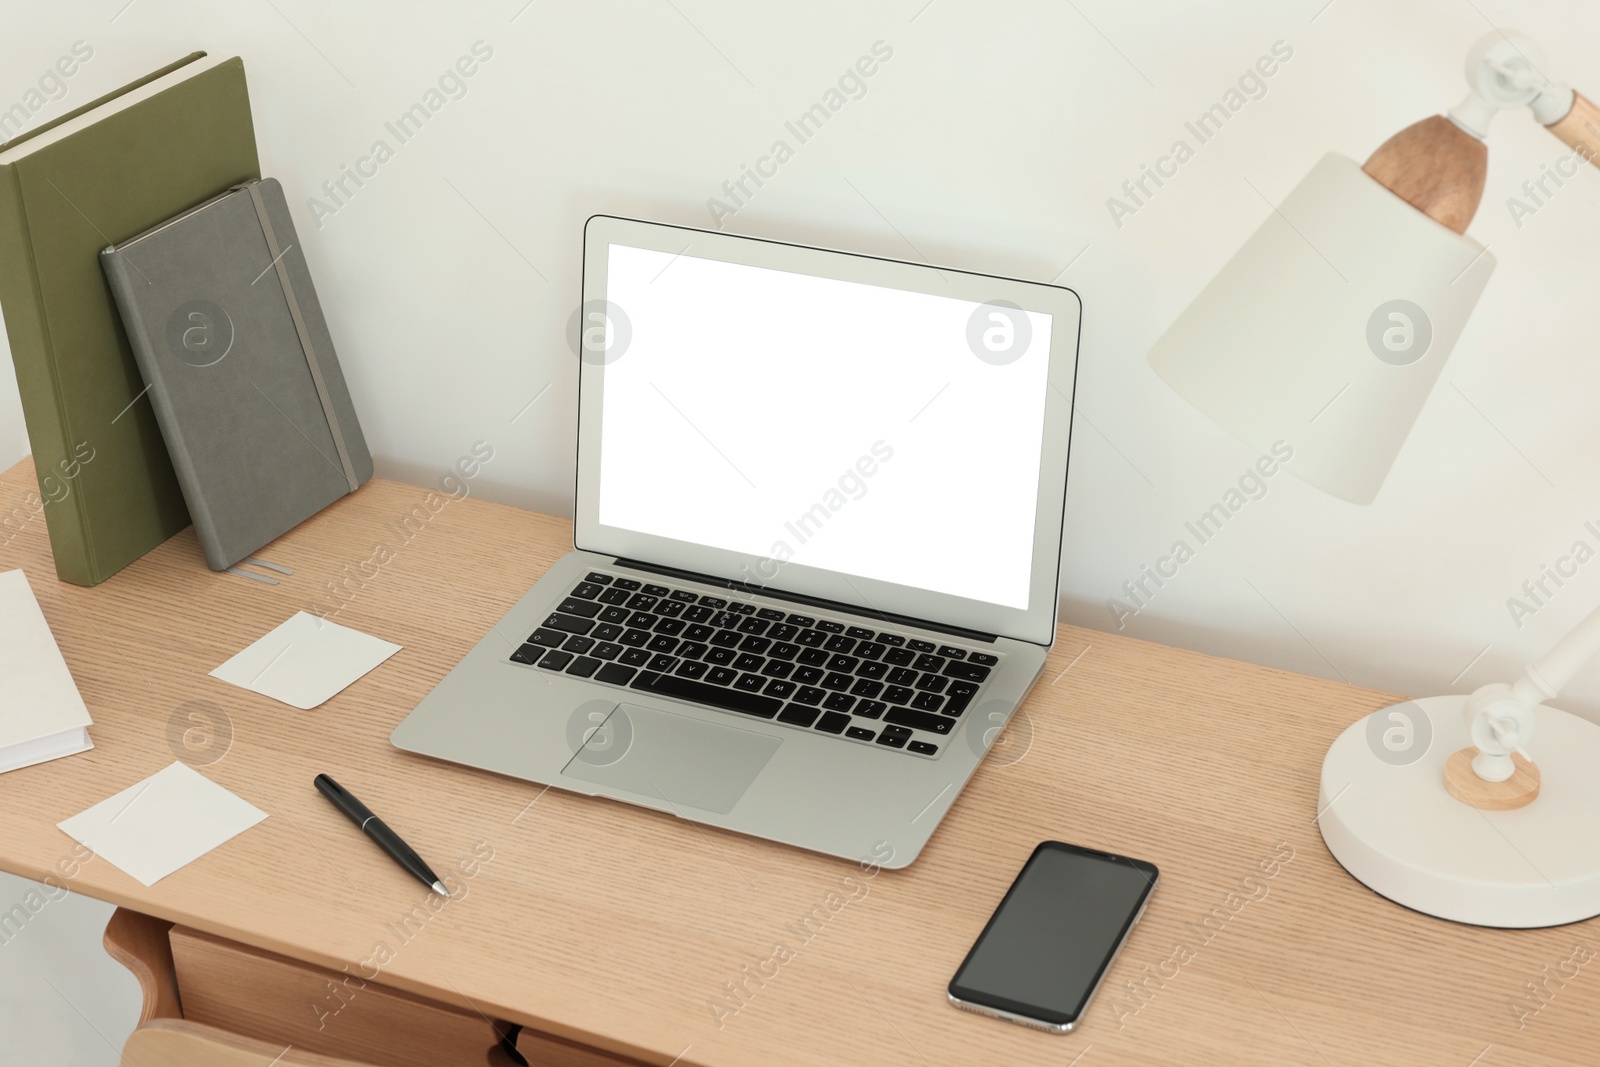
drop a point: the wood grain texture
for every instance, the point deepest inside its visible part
(618, 927)
(1436, 167)
(139, 942)
(1518, 791)
(176, 1043)
(1581, 128)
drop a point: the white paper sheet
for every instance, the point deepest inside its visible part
(170, 819)
(305, 661)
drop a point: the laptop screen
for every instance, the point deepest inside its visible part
(869, 431)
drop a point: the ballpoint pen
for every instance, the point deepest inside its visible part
(376, 829)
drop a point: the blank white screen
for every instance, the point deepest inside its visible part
(807, 420)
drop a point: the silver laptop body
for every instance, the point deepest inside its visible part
(818, 532)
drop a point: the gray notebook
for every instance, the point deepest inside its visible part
(228, 334)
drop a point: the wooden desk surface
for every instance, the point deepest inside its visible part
(619, 927)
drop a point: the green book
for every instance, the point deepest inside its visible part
(93, 178)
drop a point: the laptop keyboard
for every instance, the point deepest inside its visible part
(867, 685)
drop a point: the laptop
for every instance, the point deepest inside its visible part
(816, 546)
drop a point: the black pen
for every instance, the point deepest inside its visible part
(374, 828)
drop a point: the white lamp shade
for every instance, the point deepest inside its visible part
(1328, 329)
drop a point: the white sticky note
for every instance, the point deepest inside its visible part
(170, 819)
(305, 661)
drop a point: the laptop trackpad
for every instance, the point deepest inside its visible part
(664, 756)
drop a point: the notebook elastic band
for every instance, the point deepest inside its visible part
(305, 335)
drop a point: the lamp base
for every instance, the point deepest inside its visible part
(1388, 819)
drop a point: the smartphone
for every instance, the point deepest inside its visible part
(1052, 939)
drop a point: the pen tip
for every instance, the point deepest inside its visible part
(438, 887)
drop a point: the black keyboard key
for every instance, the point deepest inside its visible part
(779, 688)
(932, 683)
(839, 643)
(656, 590)
(811, 638)
(641, 602)
(626, 583)
(921, 646)
(860, 733)
(894, 736)
(692, 668)
(606, 650)
(903, 676)
(870, 709)
(869, 650)
(634, 657)
(958, 697)
(615, 674)
(833, 722)
(614, 596)
(584, 666)
(872, 670)
(763, 707)
(720, 656)
(585, 609)
(798, 715)
(641, 620)
(812, 657)
(919, 720)
(742, 609)
(770, 614)
(839, 702)
(983, 659)
(697, 632)
(969, 672)
(952, 652)
(723, 620)
(528, 654)
(714, 602)
(670, 626)
(899, 656)
(927, 701)
(614, 615)
(922, 748)
(842, 663)
(753, 643)
(783, 632)
(578, 643)
(750, 683)
(635, 638)
(692, 650)
(546, 637)
(866, 687)
(801, 620)
(555, 660)
(683, 595)
(662, 643)
(831, 627)
(926, 662)
(892, 640)
(808, 695)
(662, 662)
(586, 590)
(722, 675)
(898, 694)
(783, 650)
(753, 626)
(777, 668)
(697, 613)
(569, 623)
(861, 633)
(606, 632)
(670, 608)
(748, 661)
(835, 680)
(808, 675)
(597, 578)
(725, 639)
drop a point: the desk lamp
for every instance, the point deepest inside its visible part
(1328, 329)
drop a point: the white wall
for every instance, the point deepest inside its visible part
(988, 142)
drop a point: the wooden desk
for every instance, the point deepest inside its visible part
(618, 927)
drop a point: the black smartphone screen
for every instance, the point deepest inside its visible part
(1055, 933)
